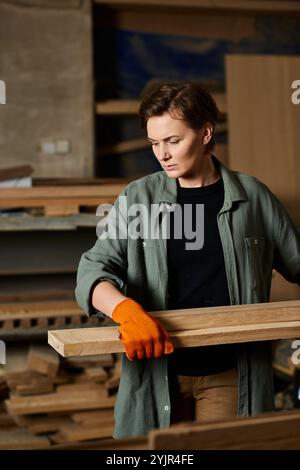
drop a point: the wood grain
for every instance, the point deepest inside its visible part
(193, 327)
(264, 138)
(269, 431)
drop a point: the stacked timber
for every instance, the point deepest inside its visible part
(46, 400)
(20, 320)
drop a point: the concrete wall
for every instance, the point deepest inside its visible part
(46, 63)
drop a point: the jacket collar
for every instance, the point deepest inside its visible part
(233, 191)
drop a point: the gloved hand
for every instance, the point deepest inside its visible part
(141, 334)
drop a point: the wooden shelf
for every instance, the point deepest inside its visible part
(238, 6)
(130, 107)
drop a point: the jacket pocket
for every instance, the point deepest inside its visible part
(255, 250)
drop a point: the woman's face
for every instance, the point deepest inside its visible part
(178, 148)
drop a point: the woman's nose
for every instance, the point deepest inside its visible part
(164, 154)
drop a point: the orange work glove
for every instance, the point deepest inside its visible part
(141, 334)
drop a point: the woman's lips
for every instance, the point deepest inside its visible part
(170, 167)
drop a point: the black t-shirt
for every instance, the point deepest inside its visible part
(197, 277)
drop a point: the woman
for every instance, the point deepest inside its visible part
(239, 230)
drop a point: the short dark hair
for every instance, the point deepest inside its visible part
(188, 100)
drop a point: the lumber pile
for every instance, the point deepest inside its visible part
(193, 327)
(47, 400)
(268, 431)
(36, 318)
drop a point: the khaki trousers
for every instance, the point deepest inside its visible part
(212, 397)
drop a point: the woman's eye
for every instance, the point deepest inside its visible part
(174, 141)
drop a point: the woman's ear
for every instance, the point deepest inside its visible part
(207, 133)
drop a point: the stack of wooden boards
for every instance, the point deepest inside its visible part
(36, 318)
(46, 400)
(194, 327)
(268, 431)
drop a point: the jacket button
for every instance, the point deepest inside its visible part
(166, 408)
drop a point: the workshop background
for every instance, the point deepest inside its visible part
(74, 73)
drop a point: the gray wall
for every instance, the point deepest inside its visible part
(46, 62)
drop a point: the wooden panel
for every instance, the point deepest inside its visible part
(193, 327)
(271, 431)
(264, 138)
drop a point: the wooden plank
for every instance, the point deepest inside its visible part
(184, 22)
(269, 130)
(68, 198)
(47, 309)
(116, 107)
(89, 417)
(79, 387)
(103, 360)
(73, 342)
(76, 432)
(269, 431)
(123, 147)
(22, 439)
(46, 424)
(44, 360)
(34, 388)
(80, 181)
(28, 377)
(132, 443)
(63, 210)
(29, 222)
(54, 402)
(53, 193)
(119, 107)
(193, 327)
(254, 6)
(15, 172)
(96, 374)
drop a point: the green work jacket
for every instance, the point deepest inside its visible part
(257, 235)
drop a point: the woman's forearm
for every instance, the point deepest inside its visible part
(105, 297)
